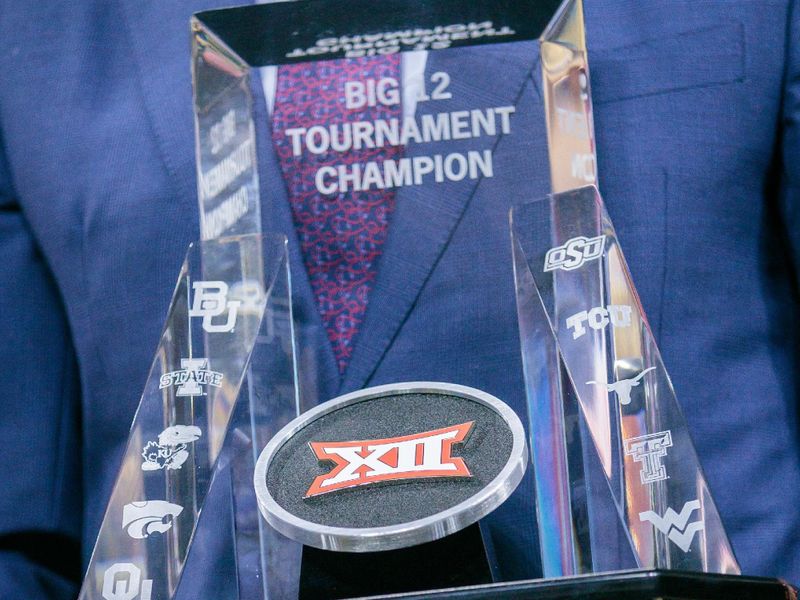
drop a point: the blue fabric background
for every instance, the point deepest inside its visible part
(696, 108)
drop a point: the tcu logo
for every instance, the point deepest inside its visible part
(194, 374)
(676, 526)
(123, 581)
(408, 457)
(574, 253)
(211, 300)
(649, 450)
(598, 318)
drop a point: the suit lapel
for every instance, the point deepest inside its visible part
(161, 44)
(426, 216)
(319, 375)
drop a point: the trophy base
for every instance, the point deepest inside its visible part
(456, 560)
(626, 585)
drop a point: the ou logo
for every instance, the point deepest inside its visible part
(210, 301)
(123, 581)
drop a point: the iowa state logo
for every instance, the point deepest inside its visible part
(415, 456)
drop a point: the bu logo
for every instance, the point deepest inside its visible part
(408, 457)
(123, 581)
(211, 300)
(676, 526)
(648, 450)
(574, 253)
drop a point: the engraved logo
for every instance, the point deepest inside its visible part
(574, 253)
(649, 450)
(414, 456)
(598, 318)
(623, 387)
(142, 519)
(195, 373)
(676, 526)
(210, 301)
(171, 449)
(123, 581)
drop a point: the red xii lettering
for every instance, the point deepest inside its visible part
(415, 456)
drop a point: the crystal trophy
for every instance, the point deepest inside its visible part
(182, 520)
(440, 126)
(602, 400)
(458, 131)
(618, 481)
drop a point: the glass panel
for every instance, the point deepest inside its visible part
(221, 383)
(567, 252)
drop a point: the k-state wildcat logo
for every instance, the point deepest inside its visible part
(414, 456)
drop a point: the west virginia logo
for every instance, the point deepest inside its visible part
(413, 456)
(676, 526)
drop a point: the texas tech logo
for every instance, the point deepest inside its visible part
(649, 450)
(574, 253)
(211, 301)
(413, 456)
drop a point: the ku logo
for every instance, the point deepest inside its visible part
(143, 519)
(598, 318)
(194, 374)
(210, 301)
(414, 456)
(649, 450)
(123, 581)
(676, 526)
(623, 387)
(171, 449)
(574, 253)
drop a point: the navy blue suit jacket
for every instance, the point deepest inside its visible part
(696, 114)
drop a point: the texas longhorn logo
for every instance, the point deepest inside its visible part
(415, 456)
(623, 387)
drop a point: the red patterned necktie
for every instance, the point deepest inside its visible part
(341, 235)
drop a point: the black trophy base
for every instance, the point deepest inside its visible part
(627, 585)
(454, 561)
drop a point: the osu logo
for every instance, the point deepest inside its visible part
(407, 457)
(574, 253)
